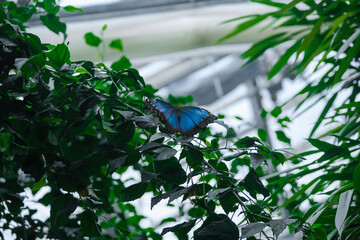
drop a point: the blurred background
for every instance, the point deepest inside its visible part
(173, 44)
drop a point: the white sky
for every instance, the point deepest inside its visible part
(85, 3)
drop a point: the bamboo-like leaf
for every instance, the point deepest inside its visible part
(298, 193)
(342, 210)
(348, 42)
(350, 128)
(311, 35)
(321, 145)
(283, 59)
(335, 24)
(243, 26)
(344, 65)
(289, 6)
(314, 50)
(311, 220)
(356, 178)
(239, 18)
(262, 45)
(270, 3)
(323, 114)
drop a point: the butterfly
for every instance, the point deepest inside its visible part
(185, 120)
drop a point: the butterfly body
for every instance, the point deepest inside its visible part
(185, 120)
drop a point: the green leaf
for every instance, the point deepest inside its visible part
(61, 208)
(181, 229)
(342, 210)
(278, 156)
(355, 105)
(134, 74)
(132, 192)
(345, 63)
(228, 202)
(214, 194)
(155, 200)
(253, 182)
(88, 223)
(82, 70)
(243, 26)
(270, 3)
(350, 128)
(323, 114)
(14, 203)
(38, 60)
(92, 40)
(251, 229)
(59, 56)
(313, 218)
(262, 134)
(194, 157)
(276, 111)
(256, 160)
(51, 7)
(289, 6)
(298, 193)
(172, 174)
(145, 122)
(279, 225)
(166, 220)
(217, 226)
(321, 145)
(34, 42)
(263, 113)
(198, 189)
(28, 68)
(123, 133)
(164, 153)
(121, 64)
(38, 185)
(356, 178)
(311, 35)
(196, 212)
(282, 120)
(232, 156)
(53, 23)
(282, 137)
(115, 164)
(260, 47)
(72, 9)
(117, 44)
(283, 60)
(335, 24)
(245, 142)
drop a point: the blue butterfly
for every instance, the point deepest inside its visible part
(185, 120)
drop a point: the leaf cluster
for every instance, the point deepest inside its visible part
(73, 128)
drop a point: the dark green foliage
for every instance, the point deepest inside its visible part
(217, 227)
(75, 128)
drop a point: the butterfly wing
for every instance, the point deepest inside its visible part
(186, 120)
(167, 113)
(192, 119)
